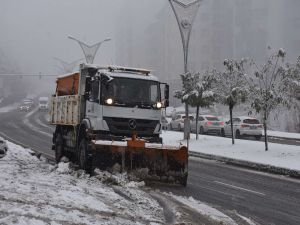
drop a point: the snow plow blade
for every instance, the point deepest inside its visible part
(148, 161)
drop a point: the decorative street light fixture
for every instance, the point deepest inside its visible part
(89, 51)
(185, 12)
(68, 67)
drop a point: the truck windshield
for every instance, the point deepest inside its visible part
(131, 92)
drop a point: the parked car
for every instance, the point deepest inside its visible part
(3, 147)
(244, 126)
(177, 122)
(208, 124)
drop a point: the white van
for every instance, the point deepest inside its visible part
(43, 103)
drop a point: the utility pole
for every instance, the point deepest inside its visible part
(185, 12)
(89, 51)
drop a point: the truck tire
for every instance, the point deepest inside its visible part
(183, 181)
(222, 133)
(85, 160)
(238, 134)
(201, 131)
(59, 148)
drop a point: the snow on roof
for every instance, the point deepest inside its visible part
(67, 74)
(118, 71)
(208, 115)
(244, 117)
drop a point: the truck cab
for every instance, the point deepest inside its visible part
(120, 101)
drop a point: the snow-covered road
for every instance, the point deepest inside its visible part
(34, 192)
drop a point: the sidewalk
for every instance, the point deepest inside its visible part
(281, 159)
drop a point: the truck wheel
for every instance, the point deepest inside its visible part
(59, 148)
(85, 161)
(222, 133)
(183, 180)
(238, 134)
(201, 130)
(258, 137)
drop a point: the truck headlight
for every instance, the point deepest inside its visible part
(109, 101)
(158, 105)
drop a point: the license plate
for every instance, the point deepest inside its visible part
(252, 127)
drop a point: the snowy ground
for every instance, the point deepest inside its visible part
(34, 192)
(286, 156)
(283, 134)
(8, 108)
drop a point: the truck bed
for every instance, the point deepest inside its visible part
(65, 110)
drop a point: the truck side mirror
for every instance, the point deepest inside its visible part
(105, 79)
(167, 95)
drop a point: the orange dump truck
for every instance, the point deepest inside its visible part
(112, 115)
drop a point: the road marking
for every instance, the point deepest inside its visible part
(34, 128)
(240, 188)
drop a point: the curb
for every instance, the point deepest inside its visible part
(248, 164)
(283, 138)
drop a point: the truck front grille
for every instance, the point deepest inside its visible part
(121, 126)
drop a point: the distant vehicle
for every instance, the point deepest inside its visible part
(28, 101)
(27, 106)
(43, 103)
(208, 124)
(3, 147)
(177, 122)
(244, 126)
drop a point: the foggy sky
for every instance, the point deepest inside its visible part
(35, 31)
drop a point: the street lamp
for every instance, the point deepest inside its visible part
(68, 67)
(89, 51)
(185, 12)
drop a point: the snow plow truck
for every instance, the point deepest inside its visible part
(107, 116)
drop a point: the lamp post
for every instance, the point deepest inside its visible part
(68, 67)
(185, 12)
(89, 51)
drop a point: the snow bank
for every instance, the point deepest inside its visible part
(34, 192)
(285, 156)
(205, 209)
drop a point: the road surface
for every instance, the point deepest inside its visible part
(264, 198)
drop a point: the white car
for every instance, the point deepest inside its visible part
(3, 147)
(177, 122)
(208, 124)
(244, 126)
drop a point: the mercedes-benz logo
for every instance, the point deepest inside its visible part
(132, 124)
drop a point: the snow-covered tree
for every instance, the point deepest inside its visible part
(184, 94)
(231, 86)
(293, 82)
(202, 94)
(197, 91)
(271, 86)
